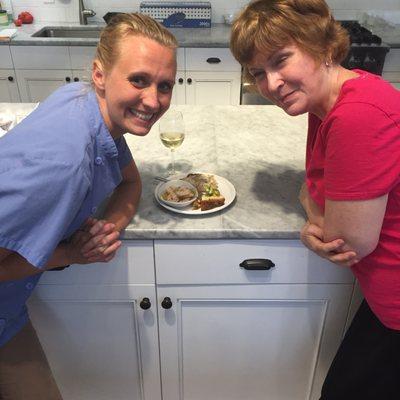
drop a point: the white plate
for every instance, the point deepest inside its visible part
(224, 186)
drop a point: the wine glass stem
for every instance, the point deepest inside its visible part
(172, 162)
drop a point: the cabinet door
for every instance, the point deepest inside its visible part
(212, 88)
(100, 343)
(258, 342)
(178, 94)
(35, 85)
(8, 86)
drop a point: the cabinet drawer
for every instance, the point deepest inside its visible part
(41, 57)
(211, 59)
(133, 264)
(217, 262)
(5, 57)
(82, 57)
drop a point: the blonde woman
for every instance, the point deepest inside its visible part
(57, 166)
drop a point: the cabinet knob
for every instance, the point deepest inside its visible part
(76, 79)
(145, 304)
(166, 303)
(189, 81)
(213, 60)
(257, 264)
(180, 80)
(68, 79)
(10, 78)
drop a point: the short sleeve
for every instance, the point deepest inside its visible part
(362, 159)
(124, 153)
(39, 198)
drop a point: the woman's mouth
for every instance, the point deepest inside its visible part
(142, 115)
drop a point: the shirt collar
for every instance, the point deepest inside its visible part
(103, 136)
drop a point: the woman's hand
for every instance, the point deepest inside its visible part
(96, 241)
(312, 237)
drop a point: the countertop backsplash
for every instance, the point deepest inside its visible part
(67, 10)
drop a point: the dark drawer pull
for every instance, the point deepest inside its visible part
(257, 264)
(213, 60)
(145, 304)
(10, 78)
(166, 303)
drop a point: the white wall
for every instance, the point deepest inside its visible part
(67, 10)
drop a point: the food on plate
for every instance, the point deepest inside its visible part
(178, 194)
(209, 195)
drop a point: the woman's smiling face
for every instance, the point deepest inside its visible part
(291, 79)
(137, 90)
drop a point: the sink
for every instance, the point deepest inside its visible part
(69, 32)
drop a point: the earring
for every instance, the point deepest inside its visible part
(327, 63)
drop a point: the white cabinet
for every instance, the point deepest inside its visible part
(101, 344)
(207, 76)
(233, 333)
(8, 83)
(42, 69)
(8, 86)
(214, 331)
(35, 85)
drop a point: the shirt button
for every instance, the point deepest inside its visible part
(94, 209)
(29, 286)
(98, 161)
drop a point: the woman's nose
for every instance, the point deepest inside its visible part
(274, 81)
(150, 97)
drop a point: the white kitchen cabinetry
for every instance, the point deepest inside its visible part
(214, 330)
(232, 333)
(100, 342)
(8, 83)
(8, 86)
(210, 76)
(42, 69)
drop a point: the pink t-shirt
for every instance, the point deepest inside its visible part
(354, 154)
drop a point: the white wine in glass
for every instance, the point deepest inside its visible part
(172, 133)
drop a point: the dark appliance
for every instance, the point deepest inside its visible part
(367, 51)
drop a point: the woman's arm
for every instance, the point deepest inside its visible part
(99, 234)
(312, 234)
(358, 223)
(123, 203)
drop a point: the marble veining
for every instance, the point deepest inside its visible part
(259, 149)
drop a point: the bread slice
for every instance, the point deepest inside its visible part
(210, 202)
(207, 187)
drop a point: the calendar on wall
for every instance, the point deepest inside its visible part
(190, 14)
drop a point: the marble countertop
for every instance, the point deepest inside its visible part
(216, 36)
(259, 149)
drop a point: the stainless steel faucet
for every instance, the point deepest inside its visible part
(84, 13)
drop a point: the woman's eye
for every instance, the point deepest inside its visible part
(138, 81)
(258, 74)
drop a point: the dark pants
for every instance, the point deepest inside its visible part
(24, 371)
(367, 364)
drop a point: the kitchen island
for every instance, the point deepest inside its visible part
(259, 149)
(179, 314)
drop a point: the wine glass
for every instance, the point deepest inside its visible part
(172, 133)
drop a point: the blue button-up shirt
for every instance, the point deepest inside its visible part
(56, 167)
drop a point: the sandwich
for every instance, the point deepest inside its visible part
(207, 187)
